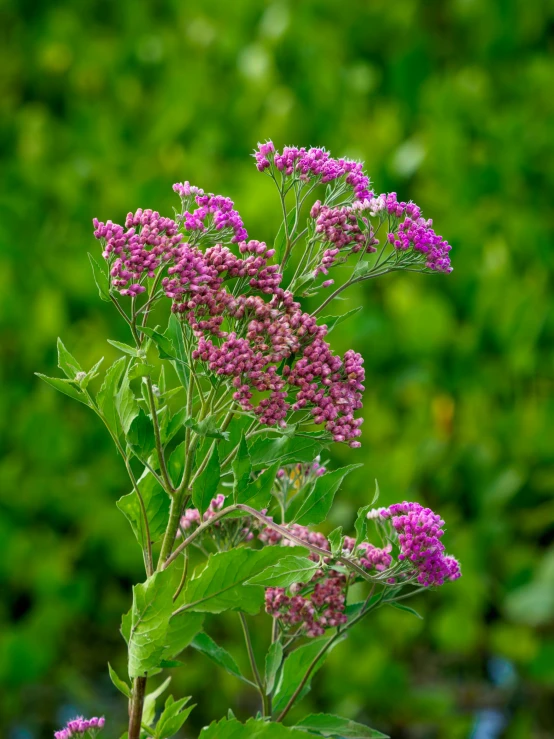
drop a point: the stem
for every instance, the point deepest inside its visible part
(172, 528)
(157, 436)
(255, 671)
(136, 706)
(304, 680)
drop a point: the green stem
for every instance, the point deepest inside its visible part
(254, 666)
(159, 448)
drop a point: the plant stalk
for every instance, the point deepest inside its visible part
(136, 706)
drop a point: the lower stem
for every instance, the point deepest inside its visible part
(136, 706)
(172, 528)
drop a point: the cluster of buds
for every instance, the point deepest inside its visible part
(232, 530)
(314, 164)
(339, 227)
(79, 726)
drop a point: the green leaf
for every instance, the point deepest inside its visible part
(141, 436)
(101, 279)
(205, 644)
(286, 572)
(91, 374)
(294, 669)
(67, 362)
(182, 629)
(242, 469)
(173, 717)
(107, 394)
(156, 502)
(125, 348)
(332, 321)
(139, 369)
(206, 427)
(120, 684)
(163, 344)
(258, 493)
(150, 615)
(326, 724)
(205, 486)
(319, 500)
(174, 332)
(402, 607)
(64, 386)
(336, 540)
(285, 450)
(126, 404)
(176, 422)
(273, 661)
(176, 463)
(230, 728)
(361, 518)
(220, 586)
(149, 709)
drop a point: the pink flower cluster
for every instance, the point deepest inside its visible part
(314, 163)
(412, 232)
(419, 536)
(213, 209)
(322, 609)
(319, 604)
(339, 227)
(78, 726)
(137, 253)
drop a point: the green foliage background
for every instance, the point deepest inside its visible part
(105, 105)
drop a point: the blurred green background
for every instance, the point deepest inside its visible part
(105, 105)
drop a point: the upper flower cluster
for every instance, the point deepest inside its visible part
(314, 164)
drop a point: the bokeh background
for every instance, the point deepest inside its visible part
(106, 104)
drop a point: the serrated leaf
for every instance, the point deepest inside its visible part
(101, 279)
(141, 436)
(126, 404)
(205, 486)
(156, 502)
(287, 571)
(319, 500)
(67, 362)
(125, 348)
(332, 321)
(64, 386)
(205, 644)
(325, 724)
(258, 493)
(361, 524)
(173, 717)
(107, 394)
(150, 615)
(294, 669)
(181, 631)
(120, 684)
(273, 661)
(402, 607)
(231, 728)
(285, 450)
(220, 585)
(242, 469)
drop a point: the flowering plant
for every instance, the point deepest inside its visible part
(222, 415)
